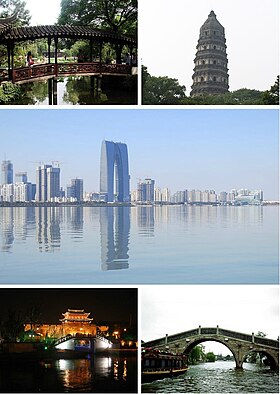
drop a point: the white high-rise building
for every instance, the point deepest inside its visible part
(47, 183)
(165, 195)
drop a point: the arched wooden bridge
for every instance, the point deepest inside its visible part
(238, 343)
(10, 35)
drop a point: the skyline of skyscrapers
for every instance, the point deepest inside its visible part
(114, 186)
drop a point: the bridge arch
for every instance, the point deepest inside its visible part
(192, 344)
(272, 360)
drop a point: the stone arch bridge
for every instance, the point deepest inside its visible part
(238, 343)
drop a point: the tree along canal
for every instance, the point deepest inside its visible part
(219, 377)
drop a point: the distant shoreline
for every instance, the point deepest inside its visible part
(6, 204)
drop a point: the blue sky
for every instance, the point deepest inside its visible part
(215, 149)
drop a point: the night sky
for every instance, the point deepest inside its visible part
(104, 304)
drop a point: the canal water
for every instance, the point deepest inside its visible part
(100, 374)
(219, 377)
(78, 91)
(149, 245)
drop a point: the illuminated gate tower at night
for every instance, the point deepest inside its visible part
(114, 172)
(210, 73)
(77, 321)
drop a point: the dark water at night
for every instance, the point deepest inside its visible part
(100, 374)
(123, 245)
(218, 377)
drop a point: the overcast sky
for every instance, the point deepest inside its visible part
(180, 149)
(169, 32)
(43, 12)
(174, 309)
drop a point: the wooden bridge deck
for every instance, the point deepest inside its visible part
(49, 70)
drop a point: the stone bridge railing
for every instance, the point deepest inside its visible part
(201, 331)
(66, 69)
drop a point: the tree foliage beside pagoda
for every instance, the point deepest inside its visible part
(164, 90)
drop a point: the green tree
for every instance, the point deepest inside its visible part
(33, 315)
(196, 355)
(210, 357)
(271, 97)
(13, 326)
(237, 97)
(119, 16)
(161, 90)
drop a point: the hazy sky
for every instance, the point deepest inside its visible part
(173, 309)
(43, 12)
(169, 31)
(180, 148)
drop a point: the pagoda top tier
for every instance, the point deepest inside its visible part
(76, 315)
(212, 24)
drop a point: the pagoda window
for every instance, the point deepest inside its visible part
(201, 79)
(203, 61)
(214, 79)
(214, 47)
(214, 62)
(204, 47)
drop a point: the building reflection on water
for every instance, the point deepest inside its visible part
(51, 226)
(48, 228)
(96, 373)
(114, 234)
(82, 373)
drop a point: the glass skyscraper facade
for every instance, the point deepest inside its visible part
(47, 182)
(114, 171)
(7, 172)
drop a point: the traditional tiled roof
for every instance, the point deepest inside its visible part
(6, 23)
(17, 34)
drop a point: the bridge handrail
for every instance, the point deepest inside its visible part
(60, 69)
(63, 339)
(103, 339)
(214, 331)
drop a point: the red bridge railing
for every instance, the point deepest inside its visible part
(67, 69)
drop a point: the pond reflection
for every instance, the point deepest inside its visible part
(83, 90)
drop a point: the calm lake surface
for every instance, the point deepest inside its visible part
(169, 244)
(218, 377)
(99, 374)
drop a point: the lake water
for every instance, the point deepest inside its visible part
(95, 374)
(219, 377)
(128, 245)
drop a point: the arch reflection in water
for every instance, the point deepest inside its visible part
(114, 234)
